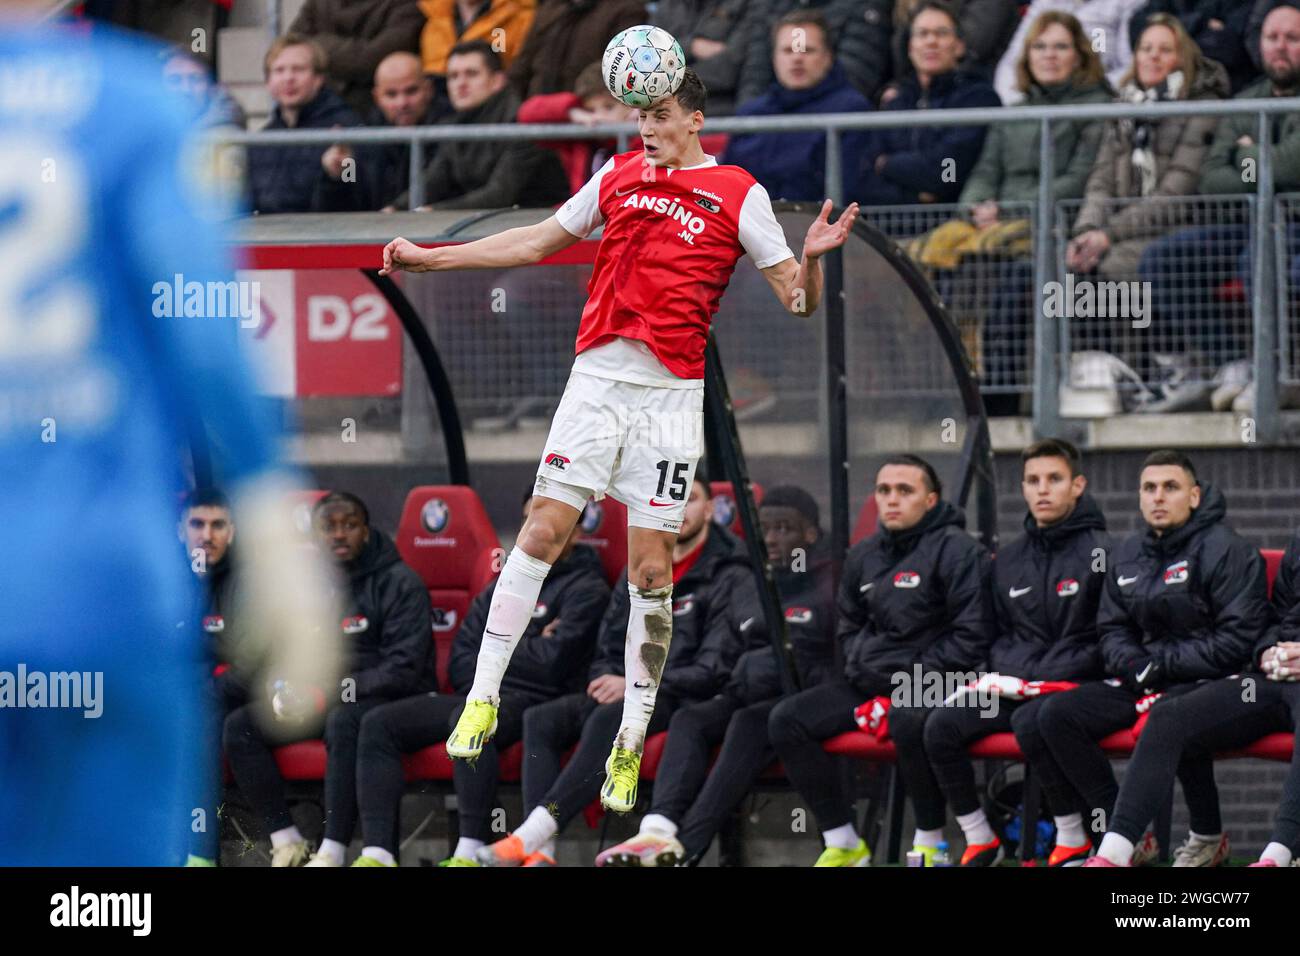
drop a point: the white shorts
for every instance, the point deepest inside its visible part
(637, 443)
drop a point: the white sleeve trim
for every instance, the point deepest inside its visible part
(581, 214)
(760, 233)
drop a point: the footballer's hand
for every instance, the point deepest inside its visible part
(404, 254)
(824, 235)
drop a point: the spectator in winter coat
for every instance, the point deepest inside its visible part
(792, 165)
(928, 164)
(565, 36)
(503, 24)
(714, 34)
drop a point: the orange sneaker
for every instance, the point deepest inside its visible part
(507, 852)
(1069, 855)
(539, 859)
(983, 854)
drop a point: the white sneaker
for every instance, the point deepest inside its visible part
(1196, 853)
(291, 854)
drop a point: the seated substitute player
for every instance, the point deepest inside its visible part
(1046, 587)
(691, 800)
(1225, 714)
(913, 599)
(208, 532)
(551, 659)
(711, 574)
(1185, 601)
(675, 223)
(388, 654)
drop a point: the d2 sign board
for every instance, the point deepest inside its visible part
(324, 332)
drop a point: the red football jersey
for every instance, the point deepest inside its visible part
(670, 245)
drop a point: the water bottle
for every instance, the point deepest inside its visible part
(942, 858)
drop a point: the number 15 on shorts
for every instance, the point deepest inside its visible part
(672, 479)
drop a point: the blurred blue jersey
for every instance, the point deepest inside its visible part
(103, 201)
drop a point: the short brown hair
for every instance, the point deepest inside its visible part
(1168, 456)
(319, 61)
(1054, 448)
(691, 94)
(1089, 72)
(803, 18)
(491, 58)
(938, 6)
(1188, 52)
(590, 82)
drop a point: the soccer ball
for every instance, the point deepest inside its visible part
(643, 65)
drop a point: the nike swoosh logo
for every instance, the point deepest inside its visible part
(1124, 582)
(866, 587)
(1142, 675)
(1017, 592)
(661, 504)
(625, 192)
(641, 684)
(746, 624)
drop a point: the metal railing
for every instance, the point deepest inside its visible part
(1047, 354)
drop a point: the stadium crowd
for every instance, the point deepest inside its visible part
(1128, 188)
(1068, 636)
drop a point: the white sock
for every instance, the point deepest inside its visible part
(649, 631)
(975, 825)
(1213, 839)
(930, 838)
(660, 825)
(284, 837)
(1069, 830)
(1116, 849)
(380, 854)
(842, 837)
(512, 607)
(466, 848)
(538, 830)
(1278, 853)
(332, 850)
(548, 848)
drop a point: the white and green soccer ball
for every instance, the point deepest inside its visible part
(642, 65)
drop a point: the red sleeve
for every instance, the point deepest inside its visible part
(547, 108)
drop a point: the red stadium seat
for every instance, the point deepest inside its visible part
(652, 754)
(865, 526)
(446, 537)
(1272, 561)
(604, 527)
(302, 761)
(725, 511)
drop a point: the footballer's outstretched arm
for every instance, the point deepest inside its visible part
(514, 247)
(799, 287)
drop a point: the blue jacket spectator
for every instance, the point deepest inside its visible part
(791, 165)
(921, 164)
(292, 178)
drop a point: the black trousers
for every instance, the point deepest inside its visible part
(407, 725)
(700, 800)
(1218, 715)
(550, 729)
(249, 748)
(952, 729)
(798, 726)
(1073, 723)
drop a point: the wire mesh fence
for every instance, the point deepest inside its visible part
(1169, 296)
(1286, 220)
(983, 275)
